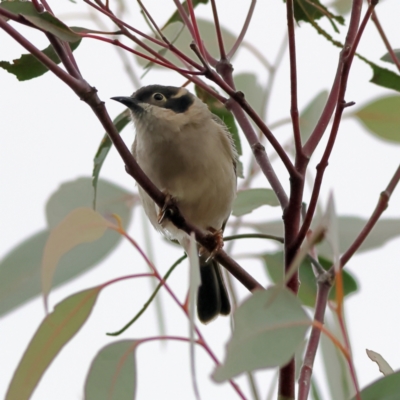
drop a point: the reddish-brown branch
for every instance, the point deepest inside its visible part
(324, 286)
(259, 153)
(165, 63)
(389, 48)
(338, 83)
(197, 36)
(294, 111)
(379, 209)
(242, 34)
(218, 31)
(119, 23)
(347, 56)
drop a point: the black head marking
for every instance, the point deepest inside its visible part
(151, 95)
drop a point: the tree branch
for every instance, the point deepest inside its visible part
(294, 111)
(379, 209)
(338, 83)
(389, 48)
(242, 34)
(347, 56)
(325, 282)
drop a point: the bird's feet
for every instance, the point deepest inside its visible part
(169, 208)
(216, 238)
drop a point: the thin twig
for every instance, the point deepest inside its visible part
(119, 22)
(389, 48)
(323, 290)
(242, 34)
(379, 209)
(347, 56)
(339, 82)
(218, 31)
(294, 110)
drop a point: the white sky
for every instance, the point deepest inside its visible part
(50, 137)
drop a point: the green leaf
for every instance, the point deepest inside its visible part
(112, 199)
(177, 17)
(112, 374)
(342, 6)
(388, 58)
(387, 388)
(311, 114)
(20, 275)
(56, 330)
(28, 67)
(349, 228)
(248, 200)
(383, 365)
(335, 365)
(43, 20)
(269, 327)
(82, 225)
(382, 118)
(120, 122)
(384, 77)
(254, 92)
(311, 10)
(308, 288)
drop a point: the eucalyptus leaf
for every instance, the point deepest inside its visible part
(82, 225)
(112, 374)
(274, 263)
(253, 91)
(20, 274)
(384, 77)
(387, 388)
(388, 58)
(382, 118)
(311, 114)
(383, 365)
(28, 67)
(43, 20)
(311, 10)
(248, 200)
(343, 7)
(349, 228)
(120, 122)
(55, 331)
(336, 367)
(269, 327)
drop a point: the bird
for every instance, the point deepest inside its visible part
(189, 154)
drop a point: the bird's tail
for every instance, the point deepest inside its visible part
(212, 296)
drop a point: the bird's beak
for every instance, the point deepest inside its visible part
(130, 102)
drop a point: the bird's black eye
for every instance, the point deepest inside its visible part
(158, 96)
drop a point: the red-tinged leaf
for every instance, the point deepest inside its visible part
(82, 225)
(112, 374)
(56, 330)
